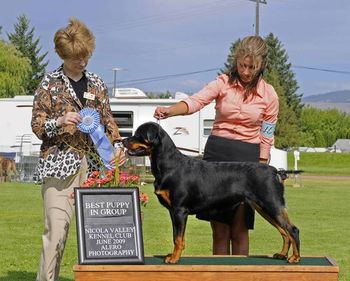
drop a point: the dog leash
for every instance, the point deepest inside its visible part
(158, 122)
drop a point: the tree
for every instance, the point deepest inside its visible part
(287, 130)
(153, 95)
(230, 57)
(321, 128)
(14, 69)
(278, 60)
(23, 39)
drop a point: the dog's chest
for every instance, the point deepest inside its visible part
(164, 197)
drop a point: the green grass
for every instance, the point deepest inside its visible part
(322, 163)
(319, 209)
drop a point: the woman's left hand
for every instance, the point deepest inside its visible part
(120, 154)
(264, 161)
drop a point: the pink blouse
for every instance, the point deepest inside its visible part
(251, 121)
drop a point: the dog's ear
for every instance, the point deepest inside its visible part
(153, 133)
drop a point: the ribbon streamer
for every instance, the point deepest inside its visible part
(90, 124)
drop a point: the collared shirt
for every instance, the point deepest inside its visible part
(252, 120)
(64, 147)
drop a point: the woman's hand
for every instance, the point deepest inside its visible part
(161, 112)
(120, 155)
(70, 118)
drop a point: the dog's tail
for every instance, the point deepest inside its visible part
(283, 175)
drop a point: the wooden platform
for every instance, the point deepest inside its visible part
(213, 269)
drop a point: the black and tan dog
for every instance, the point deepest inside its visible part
(186, 186)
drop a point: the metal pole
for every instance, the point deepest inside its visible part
(23, 138)
(257, 14)
(115, 80)
(257, 18)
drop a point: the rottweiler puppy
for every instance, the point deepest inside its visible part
(187, 186)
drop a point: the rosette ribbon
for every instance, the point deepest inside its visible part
(90, 124)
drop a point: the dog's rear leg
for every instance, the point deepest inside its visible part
(179, 220)
(285, 227)
(283, 255)
(293, 233)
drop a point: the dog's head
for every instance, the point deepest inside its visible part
(146, 137)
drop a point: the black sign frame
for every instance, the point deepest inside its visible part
(90, 202)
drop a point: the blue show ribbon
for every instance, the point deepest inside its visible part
(90, 124)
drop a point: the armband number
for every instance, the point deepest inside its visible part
(268, 129)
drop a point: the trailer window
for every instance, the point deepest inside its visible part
(125, 122)
(207, 126)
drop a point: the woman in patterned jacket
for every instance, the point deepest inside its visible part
(67, 154)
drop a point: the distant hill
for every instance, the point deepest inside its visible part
(333, 97)
(338, 99)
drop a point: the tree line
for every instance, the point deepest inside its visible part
(23, 65)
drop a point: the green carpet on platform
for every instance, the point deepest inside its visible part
(252, 260)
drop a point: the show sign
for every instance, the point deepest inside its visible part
(109, 226)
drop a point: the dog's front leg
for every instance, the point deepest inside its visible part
(179, 220)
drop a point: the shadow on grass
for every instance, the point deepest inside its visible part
(23, 276)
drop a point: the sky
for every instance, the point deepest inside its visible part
(179, 45)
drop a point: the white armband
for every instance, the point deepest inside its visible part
(268, 129)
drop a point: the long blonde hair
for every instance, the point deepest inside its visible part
(75, 41)
(255, 48)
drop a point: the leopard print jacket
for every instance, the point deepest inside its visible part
(63, 147)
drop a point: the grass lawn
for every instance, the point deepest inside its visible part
(322, 163)
(319, 209)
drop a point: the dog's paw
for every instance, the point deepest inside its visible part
(279, 256)
(294, 259)
(171, 259)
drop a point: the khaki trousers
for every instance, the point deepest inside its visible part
(58, 214)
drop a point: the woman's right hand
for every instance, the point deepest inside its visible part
(161, 112)
(70, 118)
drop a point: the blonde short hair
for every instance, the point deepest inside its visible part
(75, 41)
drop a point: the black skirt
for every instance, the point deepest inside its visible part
(219, 149)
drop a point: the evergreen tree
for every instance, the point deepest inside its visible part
(23, 40)
(278, 60)
(14, 69)
(230, 57)
(287, 130)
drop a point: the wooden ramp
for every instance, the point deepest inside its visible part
(214, 268)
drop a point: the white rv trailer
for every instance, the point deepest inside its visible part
(189, 133)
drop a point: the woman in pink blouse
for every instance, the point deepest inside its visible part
(243, 130)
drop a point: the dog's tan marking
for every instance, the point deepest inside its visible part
(295, 258)
(137, 145)
(285, 236)
(164, 193)
(179, 245)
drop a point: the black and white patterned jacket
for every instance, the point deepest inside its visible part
(63, 148)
